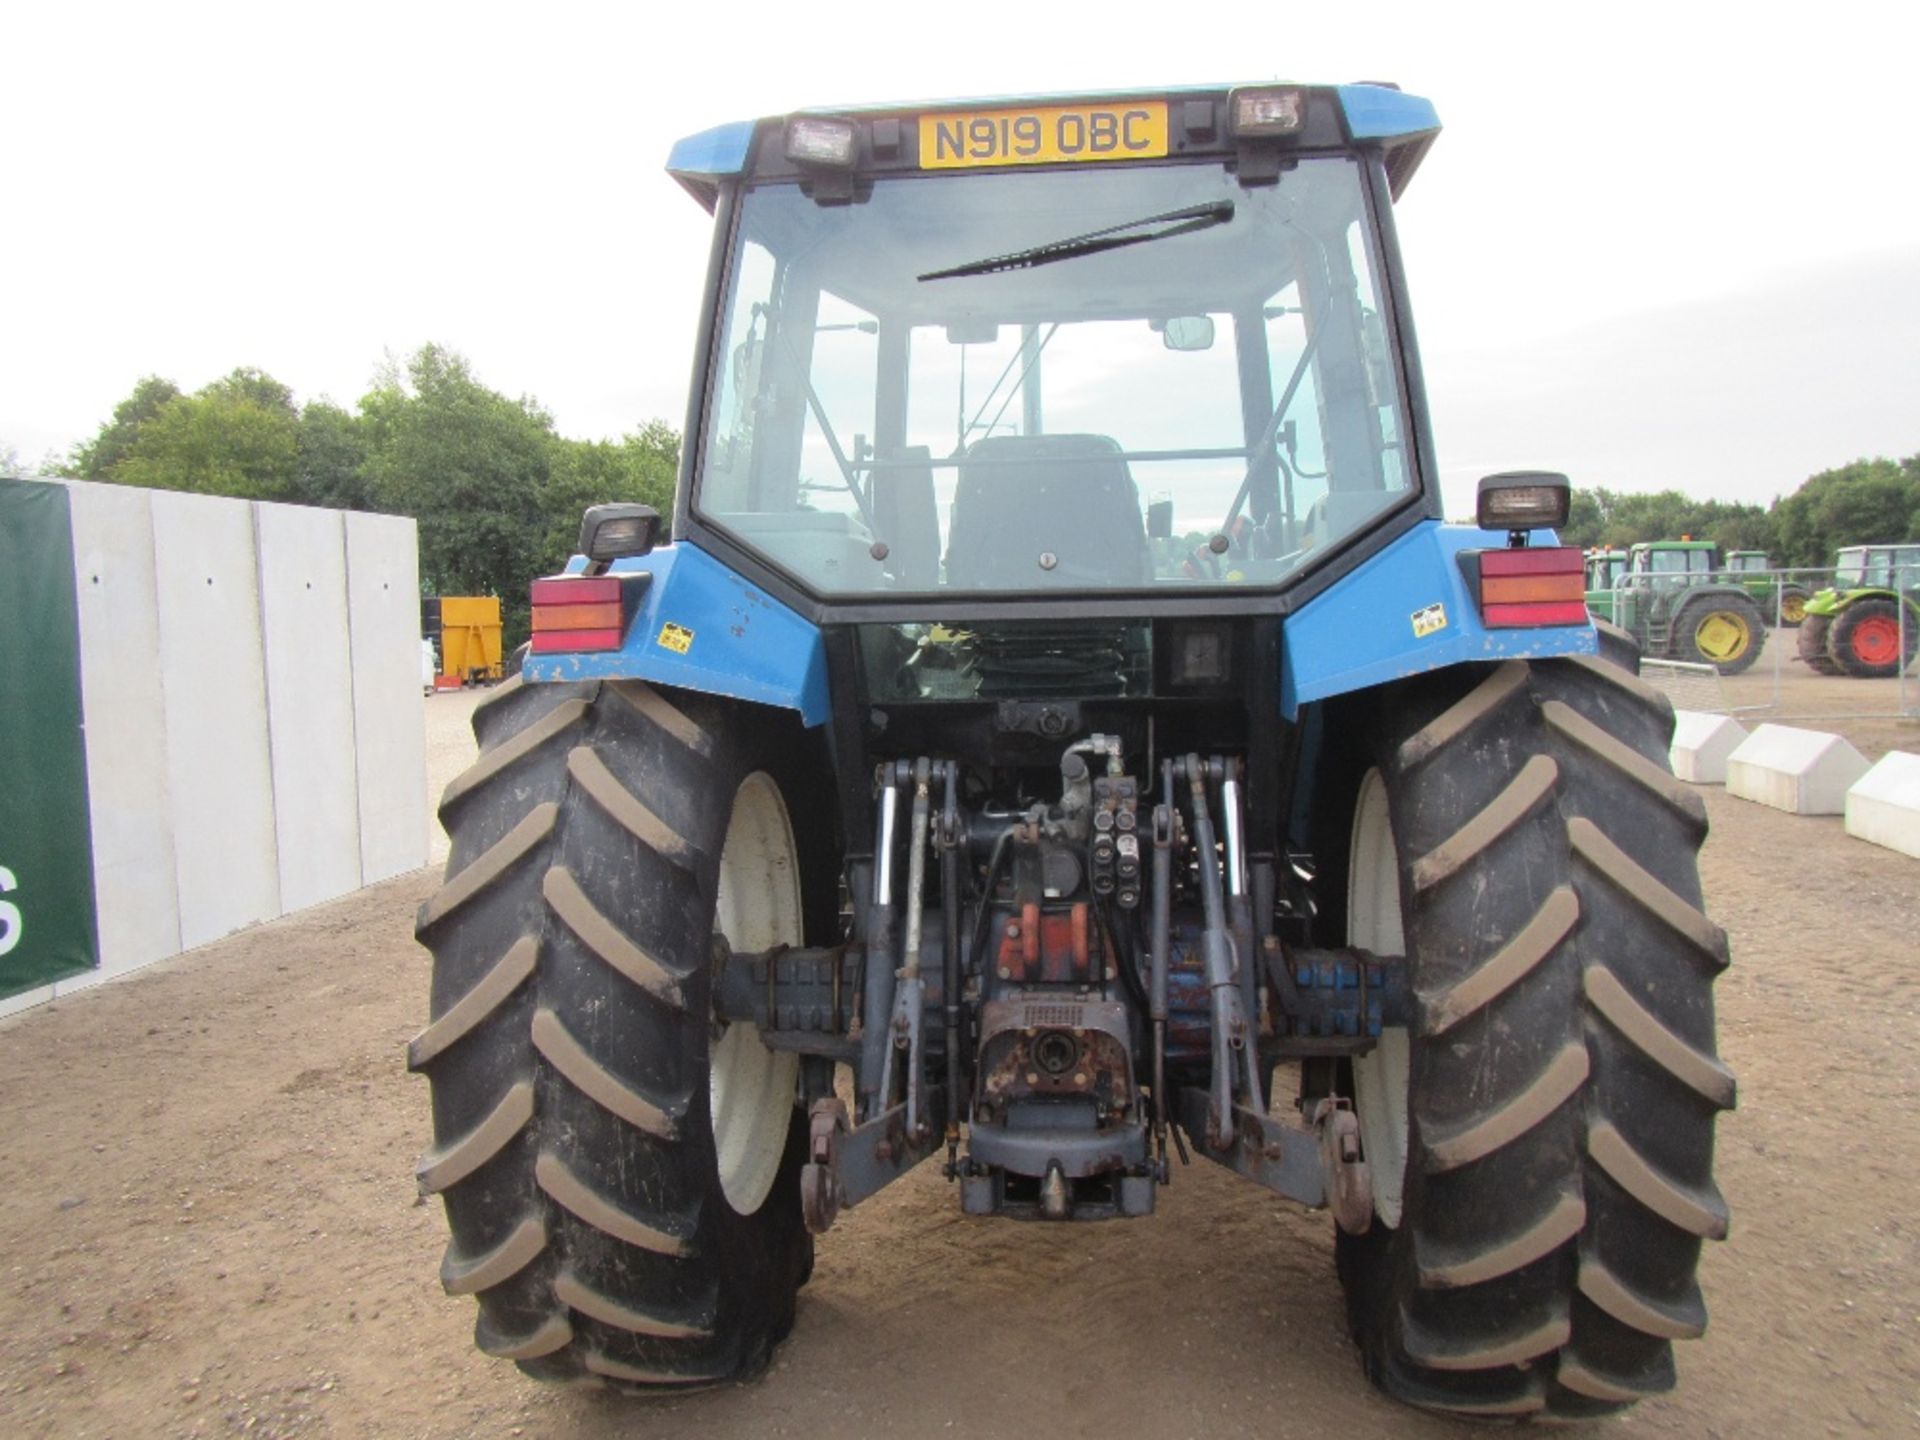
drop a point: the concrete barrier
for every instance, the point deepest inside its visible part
(248, 692)
(1701, 745)
(1883, 806)
(1804, 772)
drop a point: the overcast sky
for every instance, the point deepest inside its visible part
(1657, 245)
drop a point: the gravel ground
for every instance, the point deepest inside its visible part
(210, 1225)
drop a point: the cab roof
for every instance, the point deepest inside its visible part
(1374, 116)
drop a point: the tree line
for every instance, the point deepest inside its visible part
(497, 491)
(1862, 503)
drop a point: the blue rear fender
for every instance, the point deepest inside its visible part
(1402, 612)
(701, 627)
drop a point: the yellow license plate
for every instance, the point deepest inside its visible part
(1136, 131)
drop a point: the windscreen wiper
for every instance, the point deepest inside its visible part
(1114, 237)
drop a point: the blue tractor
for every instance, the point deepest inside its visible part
(1061, 740)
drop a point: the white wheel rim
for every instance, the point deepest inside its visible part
(750, 1088)
(1381, 1077)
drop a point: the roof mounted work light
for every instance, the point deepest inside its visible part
(1524, 500)
(1267, 111)
(827, 144)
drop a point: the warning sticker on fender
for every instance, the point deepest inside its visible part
(1425, 621)
(679, 639)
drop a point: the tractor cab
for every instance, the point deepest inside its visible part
(1885, 567)
(1669, 564)
(1605, 569)
(1141, 346)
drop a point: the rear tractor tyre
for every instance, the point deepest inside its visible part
(1813, 645)
(1541, 1140)
(1865, 639)
(621, 1178)
(1726, 632)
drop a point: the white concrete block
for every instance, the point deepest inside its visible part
(309, 670)
(1884, 804)
(135, 890)
(389, 724)
(1805, 772)
(1701, 745)
(219, 773)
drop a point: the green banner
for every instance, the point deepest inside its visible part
(46, 848)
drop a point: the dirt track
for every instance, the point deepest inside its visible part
(209, 1224)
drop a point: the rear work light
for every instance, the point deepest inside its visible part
(1545, 586)
(1523, 500)
(573, 613)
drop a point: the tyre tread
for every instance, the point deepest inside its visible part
(510, 752)
(626, 809)
(1554, 1086)
(1506, 967)
(1702, 1073)
(673, 1236)
(558, 1046)
(488, 867)
(581, 1297)
(1684, 1320)
(607, 941)
(461, 1275)
(553, 1333)
(1698, 1212)
(452, 1162)
(1638, 884)
(488, 994)
(1562, 1222)
(1507, 809)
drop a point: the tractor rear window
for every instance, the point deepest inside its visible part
(1146, 377)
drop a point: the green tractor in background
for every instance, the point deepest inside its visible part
(1604, 569)
(1783, 599)
(1855, 627)
(1672, 600)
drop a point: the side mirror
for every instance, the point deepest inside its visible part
(1160, 520)
(617, 532)
(1186, 332)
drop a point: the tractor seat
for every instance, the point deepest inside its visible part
(1020, 497)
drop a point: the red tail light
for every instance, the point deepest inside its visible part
(1545, 586)
(581, 612)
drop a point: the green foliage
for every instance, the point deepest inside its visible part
(1857, 504)
(330, 467)
(473, 468)
(1608, 518)
(639, 467)
(238, 436)
(99, 457)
